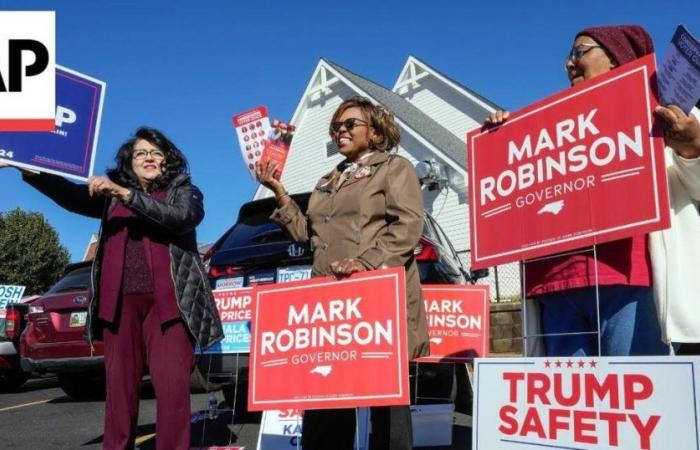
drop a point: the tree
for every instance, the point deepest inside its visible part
(30, 252)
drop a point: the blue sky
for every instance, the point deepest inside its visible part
(187, 67)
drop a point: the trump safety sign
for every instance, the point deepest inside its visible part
(317, 343)
(69, 150)
(587, 403)
(582, 167)
(458, 322)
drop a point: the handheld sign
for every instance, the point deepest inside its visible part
(252, 128)
(587, 403)
(70, 149)
(458, 322)
(582, 167)
(312, 338)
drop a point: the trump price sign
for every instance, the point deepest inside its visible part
(582, 167)
(311, 340)
(70, 149)
(458, 322)
(587, 403)
(235, 311)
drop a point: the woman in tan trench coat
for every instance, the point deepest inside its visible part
(367, 213)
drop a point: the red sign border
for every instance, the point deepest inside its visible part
(642, 64)
(403, 394)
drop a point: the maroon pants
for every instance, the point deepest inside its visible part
(136, 337)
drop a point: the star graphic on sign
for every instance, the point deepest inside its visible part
(581, 364)
(547, 364)
(558, 363)
(592, 363)
(569, 364)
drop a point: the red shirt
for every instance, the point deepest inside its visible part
(625, 262)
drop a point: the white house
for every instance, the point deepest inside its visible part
(434, 113)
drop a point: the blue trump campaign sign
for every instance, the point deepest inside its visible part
(69, 150)
(235, 308)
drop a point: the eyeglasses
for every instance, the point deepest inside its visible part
(349, 124)
(577, 52)
(142, 154)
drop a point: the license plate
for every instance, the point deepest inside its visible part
(293, 273)
(77, 319)
(229, 283)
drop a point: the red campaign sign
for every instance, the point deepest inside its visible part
(582, 167)
(458, 322)
(277, 147)
(316, 342)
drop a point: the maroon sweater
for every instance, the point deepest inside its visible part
(152, 272)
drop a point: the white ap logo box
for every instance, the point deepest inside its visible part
(27, 70)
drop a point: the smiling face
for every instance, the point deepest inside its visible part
(593, 61)
(353, 143)
(147, 162)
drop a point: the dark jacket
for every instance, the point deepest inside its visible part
(177, 217)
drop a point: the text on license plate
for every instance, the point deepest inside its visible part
(77, 319)
(293, 273)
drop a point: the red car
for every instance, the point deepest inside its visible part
(53, 339)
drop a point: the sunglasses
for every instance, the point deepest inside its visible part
(349, 124)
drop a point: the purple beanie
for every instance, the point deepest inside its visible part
(624, 43)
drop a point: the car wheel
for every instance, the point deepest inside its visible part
(11, 380)
(82, 386)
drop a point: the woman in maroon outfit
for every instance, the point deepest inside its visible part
(151, 301)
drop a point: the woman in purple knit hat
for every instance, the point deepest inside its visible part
(564, 286)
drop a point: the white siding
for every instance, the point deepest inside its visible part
(444, 105)
(308, 161)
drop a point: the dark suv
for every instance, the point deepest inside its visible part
(256, 251)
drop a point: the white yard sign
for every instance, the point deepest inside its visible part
(587, 403)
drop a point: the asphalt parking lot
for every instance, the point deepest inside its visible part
(40, 415)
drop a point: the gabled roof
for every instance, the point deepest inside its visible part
(410, 115)
(485, 104)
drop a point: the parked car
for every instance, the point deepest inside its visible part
(12, 375)
(256, 251)
(53, 340)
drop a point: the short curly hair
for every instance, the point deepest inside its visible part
(386, 131)
(175, 162)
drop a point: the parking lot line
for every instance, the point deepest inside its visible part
(146, 437)
(23, 405)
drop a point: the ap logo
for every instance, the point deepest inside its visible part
(27, 70)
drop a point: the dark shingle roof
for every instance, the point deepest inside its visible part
(413, 117)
